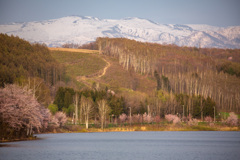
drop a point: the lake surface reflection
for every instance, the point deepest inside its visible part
(126, 145)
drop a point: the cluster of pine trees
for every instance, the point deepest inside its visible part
(84, 105)
(20, 59)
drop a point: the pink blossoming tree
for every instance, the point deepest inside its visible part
(59, 119)
(147, 118)
(20, 113)
(172, 118)
(122, 118)
(232, 119)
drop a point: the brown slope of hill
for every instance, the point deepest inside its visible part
(182, 70)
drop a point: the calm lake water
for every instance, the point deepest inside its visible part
(126, 145)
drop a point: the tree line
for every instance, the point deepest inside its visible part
(88, 104)
(91, 46)
(104, 106)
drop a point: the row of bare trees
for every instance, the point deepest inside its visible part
(91, 46)
(86, 109)
(181, 70)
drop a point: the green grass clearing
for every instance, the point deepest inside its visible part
(79, 64)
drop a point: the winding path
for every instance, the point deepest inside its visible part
(105, 68)
(84, 79)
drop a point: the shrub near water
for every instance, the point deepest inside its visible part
(59, 119)
(147, 118)
(172, 118)
(193, 122)
(208, 119)
(232, 119)
(53, 108)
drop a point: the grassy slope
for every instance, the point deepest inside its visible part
(78, 63)
(118, 79)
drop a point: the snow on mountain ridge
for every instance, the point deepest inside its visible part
(84, 29)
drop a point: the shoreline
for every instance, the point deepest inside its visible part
(150, 128)
(134, 128)
(17, 139)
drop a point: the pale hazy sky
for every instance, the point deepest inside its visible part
(212, 12)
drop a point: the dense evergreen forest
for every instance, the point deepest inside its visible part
(20, 59)
(188, 72)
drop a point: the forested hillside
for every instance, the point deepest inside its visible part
(28, 78)
(186, 72)
(20, 59)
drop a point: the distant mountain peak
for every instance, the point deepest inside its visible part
(84, 29)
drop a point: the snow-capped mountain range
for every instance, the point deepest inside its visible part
(81, 30)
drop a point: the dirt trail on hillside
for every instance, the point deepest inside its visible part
(84, 79)
(105, 68)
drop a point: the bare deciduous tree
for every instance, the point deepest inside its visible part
(76, 108)
(87, 107)
(103, 109)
